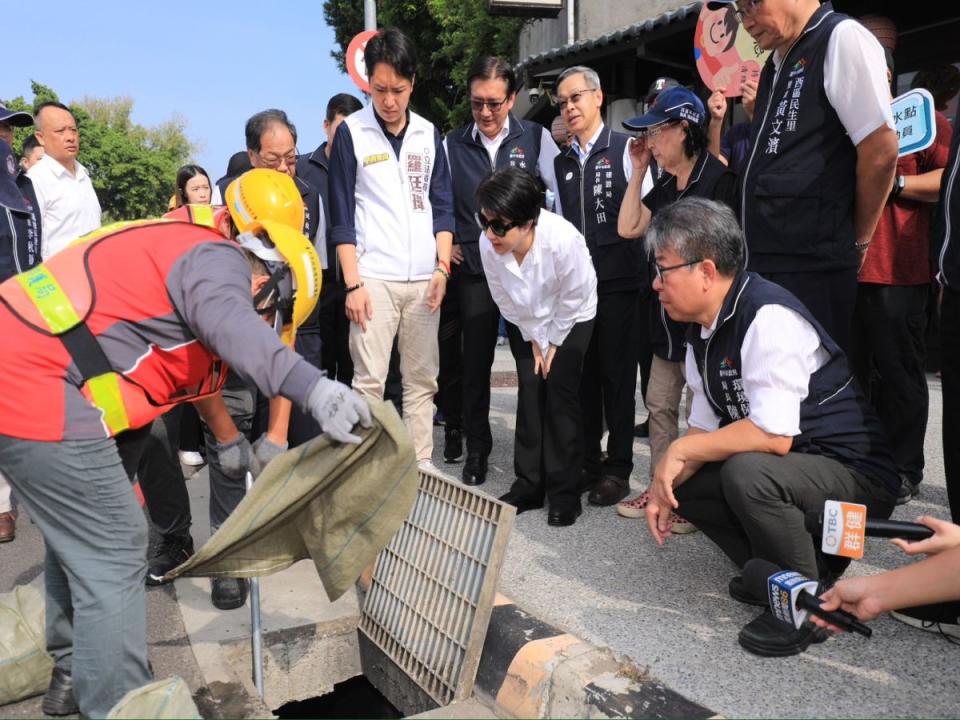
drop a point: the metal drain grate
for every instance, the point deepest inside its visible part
(429, 605)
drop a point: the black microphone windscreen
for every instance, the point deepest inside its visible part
(756, 572)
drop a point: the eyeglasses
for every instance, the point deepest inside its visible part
(657, 129)
(747, 8)
(275, 161)
(499, 229)
(661, 271)
(494, 105)
(574, 99)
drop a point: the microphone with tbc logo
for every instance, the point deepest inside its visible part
(842, 527)
(792, 596)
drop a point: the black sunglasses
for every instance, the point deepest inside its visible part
(500, 229)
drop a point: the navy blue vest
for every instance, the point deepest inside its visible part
(20, 233)
(470, 164)
(945, 234)
(591, 201)
(798, 187)
(836, 421)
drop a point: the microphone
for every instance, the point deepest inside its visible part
(792, 596)
(875, 527)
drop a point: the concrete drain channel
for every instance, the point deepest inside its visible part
(415, 645)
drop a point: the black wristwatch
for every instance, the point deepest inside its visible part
(899, 182)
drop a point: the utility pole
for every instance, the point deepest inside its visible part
(369, 14)
(571, 22)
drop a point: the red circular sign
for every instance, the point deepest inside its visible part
(355, 64)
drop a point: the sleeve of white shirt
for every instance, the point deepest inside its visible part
(780, 352)
(702, 415)
(215, 197)
(627, 162)
(574, 269)
(548, 151)
(647, 184)
(855, 80)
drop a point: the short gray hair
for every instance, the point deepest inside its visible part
(698, 229)
(590, 76)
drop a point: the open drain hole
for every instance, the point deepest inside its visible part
(351, 699)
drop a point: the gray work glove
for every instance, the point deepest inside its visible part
(236, 457)
(266, 450)
(338, 409)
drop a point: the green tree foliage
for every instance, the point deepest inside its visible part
(133, 168)
(449, 35)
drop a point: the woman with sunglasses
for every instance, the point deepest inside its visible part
(673, 132)
(541, 277)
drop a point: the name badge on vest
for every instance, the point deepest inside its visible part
(788, 109)
(373, 159)
(734, 398)
(518, 158)
(602, 190)
(418, 170)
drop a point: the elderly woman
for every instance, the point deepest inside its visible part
(673, 132)
(541, 277)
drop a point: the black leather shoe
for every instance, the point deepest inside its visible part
(475, 470)
(452, 445)
(563, 518)
(642, 430)
(609, 491)
(228, 593)
(58, 699)
(521, 502)
(768, 637)
(738, 591)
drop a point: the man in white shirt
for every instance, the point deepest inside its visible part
(68, 204)
(778, 424)
(819, 173)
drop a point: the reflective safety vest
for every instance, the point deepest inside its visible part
(208, 215)
(93, 344)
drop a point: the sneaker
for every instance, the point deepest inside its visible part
(681, 526)
(908, 491)
(169, 553)
(633, 508)
(943, 618)
(453, 445)
(191, 458)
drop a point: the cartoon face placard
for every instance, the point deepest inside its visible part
(726, 55)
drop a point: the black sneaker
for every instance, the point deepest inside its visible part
(908, 491)
(453, 445)
(170, 552)
(943, 618)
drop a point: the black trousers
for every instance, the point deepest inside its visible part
(609, 384)
(752, 505)
(334, 329)
(829, 296)
(889, 357)
(644, 344)
(548, 445)
(468, 341)
(950, 371)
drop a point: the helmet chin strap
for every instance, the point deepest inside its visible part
(283, 306)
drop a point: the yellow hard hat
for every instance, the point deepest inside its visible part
(283, 244)
(263, 194)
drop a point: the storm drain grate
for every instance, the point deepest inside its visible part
(433, 586)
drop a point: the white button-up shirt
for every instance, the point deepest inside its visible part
(553, 289)
(68, 204)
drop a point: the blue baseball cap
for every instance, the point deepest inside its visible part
(678, 103)
(10, 195)
(17, 118)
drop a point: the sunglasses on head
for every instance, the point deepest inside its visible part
(500, 229)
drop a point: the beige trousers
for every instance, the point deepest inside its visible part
(400, 310)
(664, 392)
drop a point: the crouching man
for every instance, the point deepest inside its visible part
(101, 339)
(778, 425)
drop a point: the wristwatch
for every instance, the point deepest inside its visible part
(899, 182)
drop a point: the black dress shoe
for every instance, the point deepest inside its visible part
(58, 699)
(642, 430)
(475, 470)
(452, 445)
(738, 591)
(228, 593)
(768, 637)
(609, 491)
(563, 518)
(521, 502)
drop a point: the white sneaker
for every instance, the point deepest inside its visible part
(932, 618)
(191, 458)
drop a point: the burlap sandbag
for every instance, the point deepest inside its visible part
(163, 699)
(25, 665)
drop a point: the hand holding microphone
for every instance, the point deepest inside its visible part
(945, 535)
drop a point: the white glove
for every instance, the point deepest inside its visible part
(338, 409)
(265, 450)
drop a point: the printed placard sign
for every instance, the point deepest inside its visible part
(726, 55)
(844, 529)
(914, 118)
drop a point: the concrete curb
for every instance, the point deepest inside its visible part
(532, 670)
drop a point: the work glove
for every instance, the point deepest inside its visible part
(338, 409)
(265, 450)
(236, 457)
